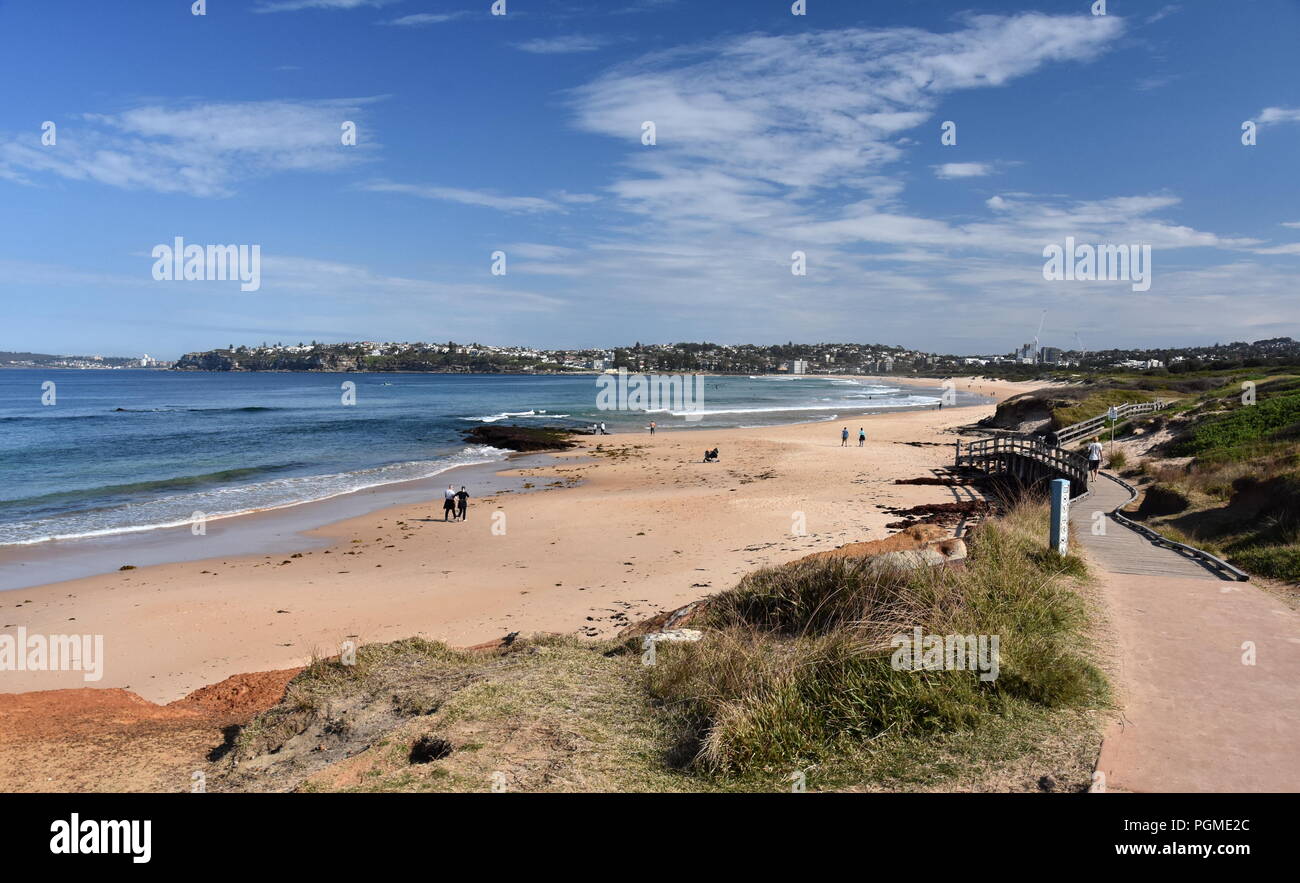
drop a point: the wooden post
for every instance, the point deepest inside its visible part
(1060, 539)
(958, 460)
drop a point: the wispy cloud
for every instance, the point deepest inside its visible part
(296, 5)
(963, 170)
(512, 204)
(1162, 12)
(562, 45)
(771, 144)
(423, 19)
(1278, 115)
(198, 149)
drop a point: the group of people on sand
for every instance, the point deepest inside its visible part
(844, 437)
(455, 503)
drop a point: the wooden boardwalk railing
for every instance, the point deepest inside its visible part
(1085, 428)
(1028, 458)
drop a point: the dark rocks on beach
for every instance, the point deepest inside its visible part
(520, 438)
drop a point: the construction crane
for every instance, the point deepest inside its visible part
(1036, 336)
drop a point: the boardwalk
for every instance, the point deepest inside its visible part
(1198, 714)
(1120, 550)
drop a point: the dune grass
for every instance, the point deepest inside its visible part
(797, 668)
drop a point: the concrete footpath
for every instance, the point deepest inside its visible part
(1209, 673)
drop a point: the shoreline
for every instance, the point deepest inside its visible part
(57, 559)
(631, 524)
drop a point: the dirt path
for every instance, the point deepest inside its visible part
(1209, 672)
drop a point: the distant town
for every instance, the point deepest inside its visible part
(789, 358)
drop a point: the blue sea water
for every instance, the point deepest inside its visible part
(123, 451)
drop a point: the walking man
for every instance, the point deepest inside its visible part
(448, 502)
(462, 504)
(844, 437)
(1094, 457)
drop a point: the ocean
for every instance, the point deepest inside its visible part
(128, 451)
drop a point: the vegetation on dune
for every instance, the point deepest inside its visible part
(1096, 404)
(1239, 495)
(1245, 430)
(797, 669)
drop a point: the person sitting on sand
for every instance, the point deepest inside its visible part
(448, 502)
(462, 504)
(711, 456)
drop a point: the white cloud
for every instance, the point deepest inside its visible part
(771, 144)
(1278, 115)
(963, 170)
(421, 19)
(199, 149)
(513, 204)
(1163, 12)
(296, 5)
(562, 45)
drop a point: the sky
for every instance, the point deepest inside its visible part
(524, 133)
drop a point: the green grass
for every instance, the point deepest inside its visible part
(1096, 404)
(1244, 431)
(1273, 562)
(797, 668)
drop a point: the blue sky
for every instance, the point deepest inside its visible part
(522, 133)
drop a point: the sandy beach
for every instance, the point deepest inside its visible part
(620, 528)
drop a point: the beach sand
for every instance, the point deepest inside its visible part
(626, 526)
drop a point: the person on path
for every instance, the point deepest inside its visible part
(1094, 457)
(448, 502)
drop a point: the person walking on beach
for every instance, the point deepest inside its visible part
(862, 436)
(448, 502)
(1094, 457)
(462, 504)
(652, 427)
(844, 437)
(602, 428)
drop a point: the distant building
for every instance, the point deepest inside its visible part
(799, 366)
(1050, 355)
